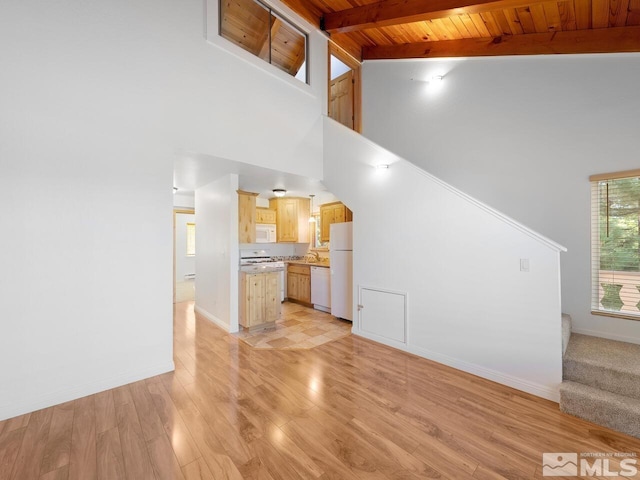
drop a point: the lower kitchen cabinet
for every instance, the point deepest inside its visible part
(259, 299)
(299, 284)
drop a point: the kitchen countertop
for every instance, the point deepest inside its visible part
(311, 264)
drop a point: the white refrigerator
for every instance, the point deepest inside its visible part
(341, 261)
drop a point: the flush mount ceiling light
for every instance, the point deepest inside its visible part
(279, 192)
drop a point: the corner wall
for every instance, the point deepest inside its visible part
(522, 134)
(217, 252)
(469, 305)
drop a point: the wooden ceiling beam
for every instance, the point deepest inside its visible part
(602, 40)
(395, 12)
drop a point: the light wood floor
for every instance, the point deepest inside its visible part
(349, 409)
(299, 327)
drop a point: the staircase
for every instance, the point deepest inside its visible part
(601, 381)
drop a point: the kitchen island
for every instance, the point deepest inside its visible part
(259, 298)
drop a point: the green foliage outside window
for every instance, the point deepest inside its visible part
(619, 219)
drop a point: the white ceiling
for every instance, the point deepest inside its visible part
(192, 171)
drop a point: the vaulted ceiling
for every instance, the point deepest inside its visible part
(393, 29)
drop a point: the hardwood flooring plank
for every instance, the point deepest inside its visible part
(34, 442)
(292, 454)
(110, 464)
(16, 423)
(163, 459)
(149, 420)
(229, 438)
(61, 473)
(83, 457)
(58, 447)
(10, 442)
(134, 448)
(326, 461)
(105, 411)
(209, 445)
(404, 459)
(183, 444)
(197, 470)
(121, 395)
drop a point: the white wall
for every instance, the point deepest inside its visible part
(98, 99)
(458, 262)
(184, 200)
(217, 252)
(184, 264)
(278, 249)
(522, 134)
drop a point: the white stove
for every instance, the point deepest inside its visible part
(259, 261)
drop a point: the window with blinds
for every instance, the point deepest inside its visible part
(191, 239)
(615, 244)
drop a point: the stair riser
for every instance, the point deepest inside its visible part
(566, 332)
(609, 414)
(613, 381)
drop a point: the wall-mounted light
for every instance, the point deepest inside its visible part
(279, 192)
(436, 79)
(382, 166)
(175, 189)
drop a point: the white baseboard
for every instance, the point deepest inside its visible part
(212, 318)
(72, 393)
(610, 336)
(536, 389)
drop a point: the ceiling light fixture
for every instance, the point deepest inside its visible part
(279, 192)
(436, 78)
(311, 217)
(382, 166)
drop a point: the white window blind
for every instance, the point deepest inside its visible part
(191, 239)
(615, 244)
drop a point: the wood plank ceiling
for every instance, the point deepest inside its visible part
(392, 29)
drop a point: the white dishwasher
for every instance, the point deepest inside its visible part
(321, 288)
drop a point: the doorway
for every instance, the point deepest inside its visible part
(184, 270)
(344, 88)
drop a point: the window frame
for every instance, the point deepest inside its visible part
(191, 239)
(284, 18)
(595, 250)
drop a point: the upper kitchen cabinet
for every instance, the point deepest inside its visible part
(335, 212)
(265, 215)
(292, 219)
(246, 217)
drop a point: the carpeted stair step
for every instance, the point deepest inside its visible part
(566, 331)
(617, 412)
(605, 364)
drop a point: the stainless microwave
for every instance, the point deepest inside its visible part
(265, 233)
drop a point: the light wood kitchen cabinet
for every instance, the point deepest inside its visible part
(246, 217)
(292, 219)
(299, 283)
(265, 215)
(259, 299)
(335, 212)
